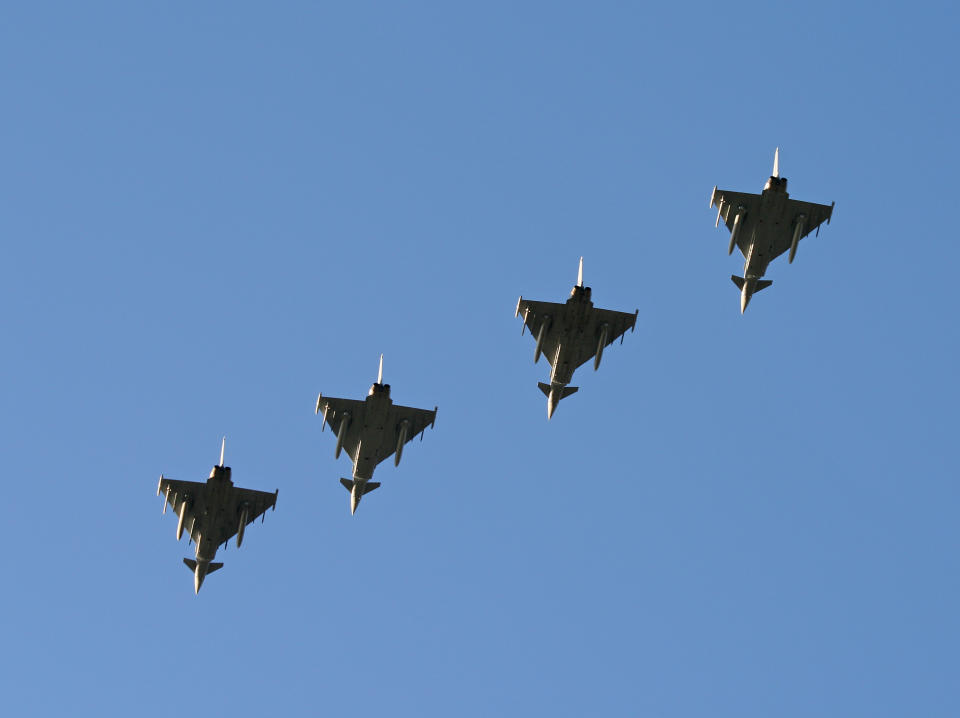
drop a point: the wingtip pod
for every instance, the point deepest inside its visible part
(516, 312)
(159, 484)
(223, 448)
(580, 273)
(776, 162)
(830, 215)
(319, 399)
(713, 195)
(380, 371)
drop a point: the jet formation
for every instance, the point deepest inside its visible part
(568, 334)
(571, 334)
(764, 226)
(212, 512)
(371, 430)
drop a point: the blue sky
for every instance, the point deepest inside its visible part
(211, 213)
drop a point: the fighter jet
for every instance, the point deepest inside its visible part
(371, 430)
(571, 334)
(765, 226)
(212, 513)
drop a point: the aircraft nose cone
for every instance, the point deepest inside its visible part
(744, 301)
(354, 500)
(551, 406)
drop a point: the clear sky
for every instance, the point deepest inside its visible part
(210, 212)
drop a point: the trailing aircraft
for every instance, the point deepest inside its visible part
(764, 226)
(571, 334)
(212, 512)
(370, 431)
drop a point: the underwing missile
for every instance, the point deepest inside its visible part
(341, 434)
(797, 231)
(604, 331)
(401, 440)
(540, 336)
(183, 514)
(735, 232)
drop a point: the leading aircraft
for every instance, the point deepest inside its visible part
(212, 512)
(571, 334)
(371, 430)
(764, 226)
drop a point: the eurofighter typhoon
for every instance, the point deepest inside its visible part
(571, 334)
(212, 513)
(764, 226)
(370, 431)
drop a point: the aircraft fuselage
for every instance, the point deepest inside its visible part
(219, 487)
(374, 432)
(766, 228)
(571, 335)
